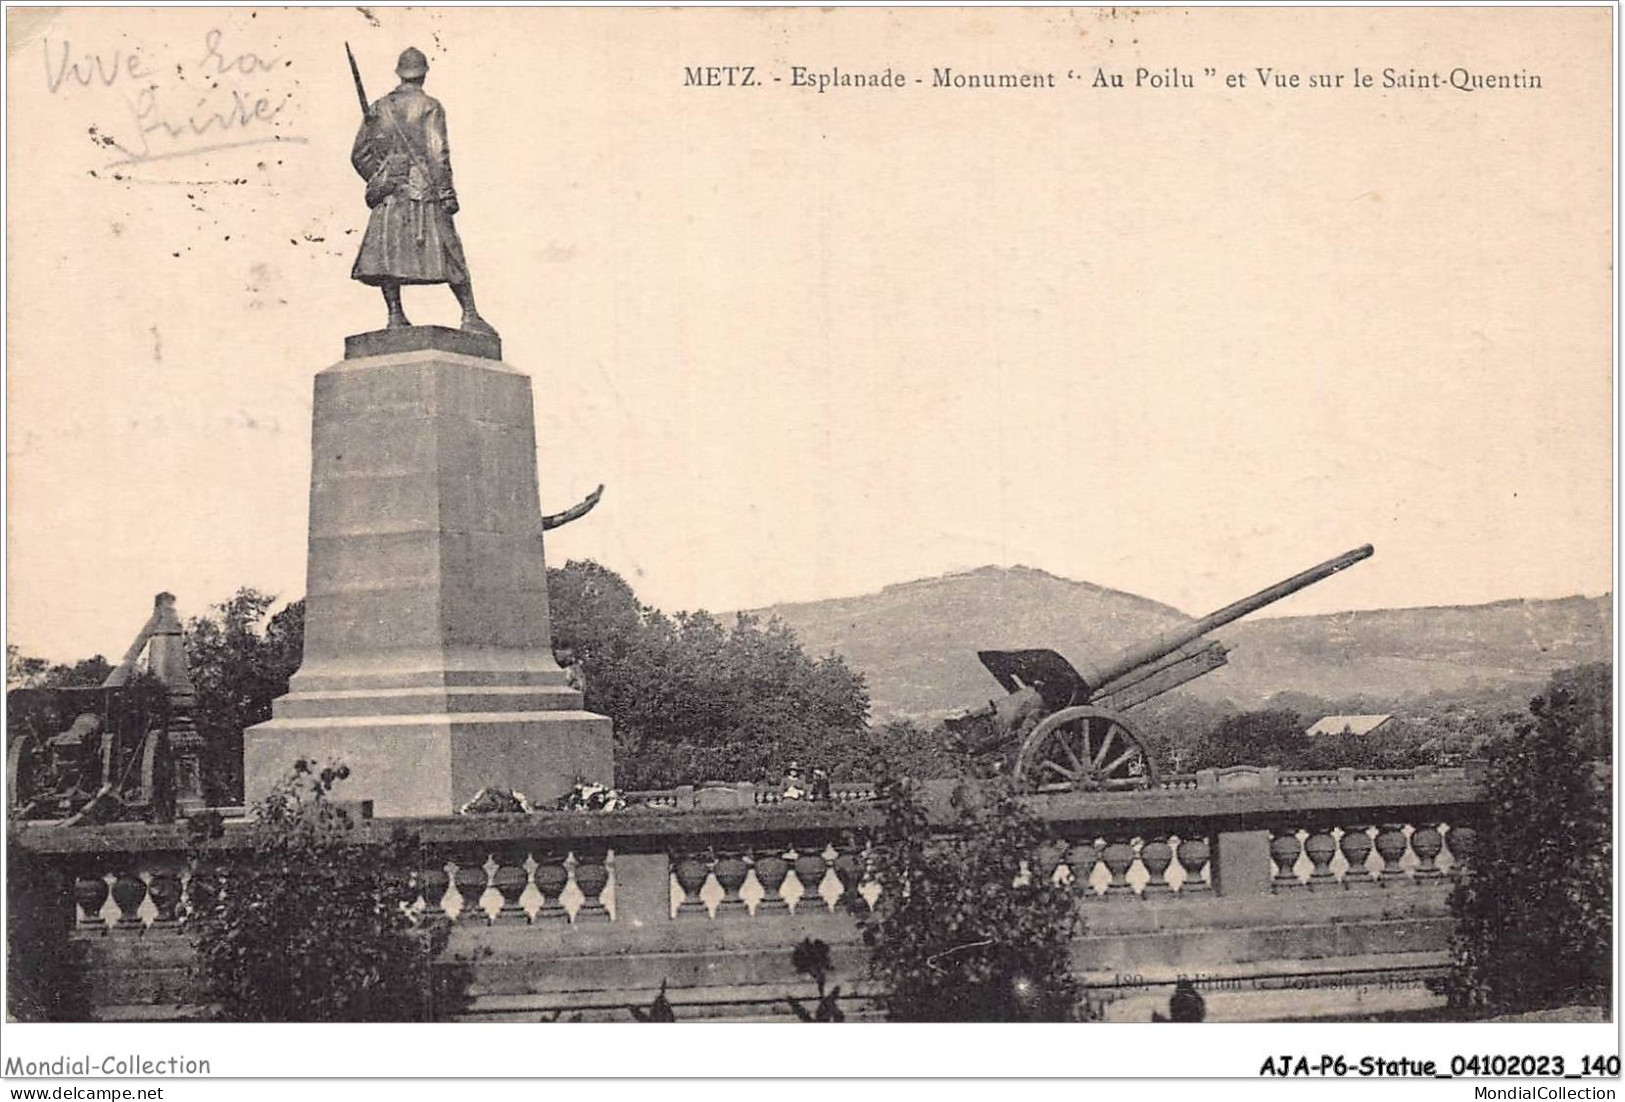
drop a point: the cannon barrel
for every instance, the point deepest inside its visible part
(1096, 676)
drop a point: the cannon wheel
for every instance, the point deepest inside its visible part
(20, 781)
(157, 778)
(1085, 748)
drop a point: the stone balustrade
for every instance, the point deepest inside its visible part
(721, 880)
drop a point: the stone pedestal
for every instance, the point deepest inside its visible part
(428, 666)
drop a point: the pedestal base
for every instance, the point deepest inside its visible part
(432, 764)
(428, 665)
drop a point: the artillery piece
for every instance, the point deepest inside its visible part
(127, 749)
(1063, 727)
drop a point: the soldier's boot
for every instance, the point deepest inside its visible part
(392, 299)
(472, 322)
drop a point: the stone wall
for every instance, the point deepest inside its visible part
(1283, 895)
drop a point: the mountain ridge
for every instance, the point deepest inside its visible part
(915, 641)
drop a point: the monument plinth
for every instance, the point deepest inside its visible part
(428, 665)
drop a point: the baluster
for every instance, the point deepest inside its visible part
(434, 881)
(592, 876)
(1194, 854)
(1119, 857)
(866, 877)
(810, 866)
(771, 871)
(1460, 841)
(1427, 843)
(691, 872)
(1391, 846)
(90, 893)
(1047, 858)
(470, 879)
(849, 870)
(510, 881)
(1156, 855)
(1081, 859)
(1321, 848)
(1284, 851)
(165, 888)
(128, 892)
(551, 879)
(731, 872)
(1356, 847)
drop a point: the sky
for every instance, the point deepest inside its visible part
(1179, 342)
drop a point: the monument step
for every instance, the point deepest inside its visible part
(331, 678)
(466, 700)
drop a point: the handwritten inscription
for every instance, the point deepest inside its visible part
(210, 97)
(246, 64)
(63, 67)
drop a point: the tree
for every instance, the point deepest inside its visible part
(901, 748)
(1584, 697)
(27, 672)
(694, 699)
(238, 667)
(309, 923)
(1534, 917)
(23, 671)
(1270, 737)
(967, 927)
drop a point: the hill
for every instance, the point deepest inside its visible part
(915, 642)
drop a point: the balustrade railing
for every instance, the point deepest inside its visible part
(763, 882)
(1123, 866)
(518, 884)
(1243, 832)
(1357, 856)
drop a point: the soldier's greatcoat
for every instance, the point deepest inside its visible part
(401, 152)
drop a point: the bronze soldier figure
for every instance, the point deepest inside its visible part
(401, 152)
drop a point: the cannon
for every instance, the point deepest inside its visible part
(126, 749)
(110, 758)
(1064, 727)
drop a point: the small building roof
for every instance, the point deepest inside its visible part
(1354, 725)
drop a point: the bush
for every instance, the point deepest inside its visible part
(309, 924)
(697, 699)
(1533, 919)
(963, 929)
(45, 976)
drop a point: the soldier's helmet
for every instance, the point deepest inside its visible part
(412, 64)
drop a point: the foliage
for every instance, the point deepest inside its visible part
(45, 978)
(1534, 917)
(694, 699)
(1583, 696)
(811, 957)
(1177, 725)
(238, 667)
(902, 748)
(311, 923)
(25, 672)
(658, 1010)
(1273, 736)
(963, 928)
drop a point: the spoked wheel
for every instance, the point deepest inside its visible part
(1085, 748)
(21, 772)
(158, 778)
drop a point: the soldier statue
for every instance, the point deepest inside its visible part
(401, 152)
